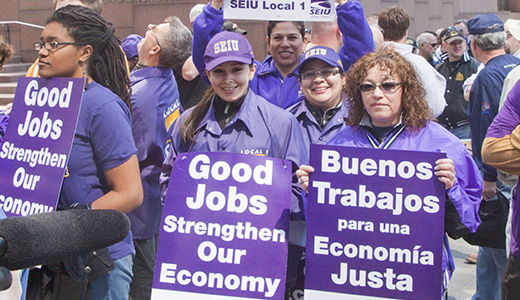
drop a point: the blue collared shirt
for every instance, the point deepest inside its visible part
(156, 107)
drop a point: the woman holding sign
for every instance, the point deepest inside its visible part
(232, 118)
(102, 172)
(276, 78)
(387, 110)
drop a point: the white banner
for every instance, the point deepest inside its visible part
(280, 10)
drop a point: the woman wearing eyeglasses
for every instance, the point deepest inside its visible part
(387, 110)
(320, 112)
(102, 172)
(321, 109)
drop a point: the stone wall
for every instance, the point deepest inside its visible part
(132, 16)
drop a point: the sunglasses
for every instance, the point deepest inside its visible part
(386, 87)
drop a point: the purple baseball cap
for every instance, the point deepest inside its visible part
(227, 46)
(129, 46)
(323, 53)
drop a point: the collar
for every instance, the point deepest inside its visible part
(323, 118)
(268, 67)
(465, 57)
(147, 72)
(374, 139)
(399, 47)
(247, 113)
(365, 121)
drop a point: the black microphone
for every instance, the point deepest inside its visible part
(48, 238)
(6, 279)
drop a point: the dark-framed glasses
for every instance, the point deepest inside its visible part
(386, 87)
(52, 45)
(325, 73)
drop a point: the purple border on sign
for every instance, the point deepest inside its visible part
(426, 229)
(262, 259)
(41, 128)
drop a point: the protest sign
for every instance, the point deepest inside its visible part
(375, 224)
(37, 143)
(280, 10)
(224, 228)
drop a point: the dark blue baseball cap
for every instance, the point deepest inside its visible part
(323, 53)
(486, 23)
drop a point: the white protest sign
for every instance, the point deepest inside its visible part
(282, 10)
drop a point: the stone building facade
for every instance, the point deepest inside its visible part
(132, 16)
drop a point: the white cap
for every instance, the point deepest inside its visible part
(514, 27)
(195, 11)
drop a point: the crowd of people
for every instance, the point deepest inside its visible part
(355, 81)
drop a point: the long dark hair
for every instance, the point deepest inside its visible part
(106, 65)
(188, 129)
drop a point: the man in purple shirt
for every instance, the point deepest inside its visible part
(156, 107)
(501, 149)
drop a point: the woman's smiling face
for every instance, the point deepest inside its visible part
(230, 80)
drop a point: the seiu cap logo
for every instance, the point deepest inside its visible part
(316, 51)
(225, 46)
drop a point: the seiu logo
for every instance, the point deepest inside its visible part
(320, 7)
(225, 46)
(318, 51)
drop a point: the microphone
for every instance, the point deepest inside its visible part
(6, 279)
(54, 236)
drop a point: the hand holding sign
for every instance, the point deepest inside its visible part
(303, 176)
(445, 171)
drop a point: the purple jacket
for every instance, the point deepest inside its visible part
(467, 189)
(155, 108)
(258, 128)
(268, 82)
(312, 131)
(501, 149)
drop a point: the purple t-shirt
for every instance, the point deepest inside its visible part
(507, 119)
(102, 141)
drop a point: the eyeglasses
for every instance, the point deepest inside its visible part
(52, 45)
(386, 87)
(325, 73)
(153, 28)
(433, 45)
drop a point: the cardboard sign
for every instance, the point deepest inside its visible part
(224, 229)
(280, 10)
(36, 147)
(375, 224)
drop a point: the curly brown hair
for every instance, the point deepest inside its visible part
(6, 51)
(415, 110)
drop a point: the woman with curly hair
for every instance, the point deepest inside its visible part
(387, 110)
